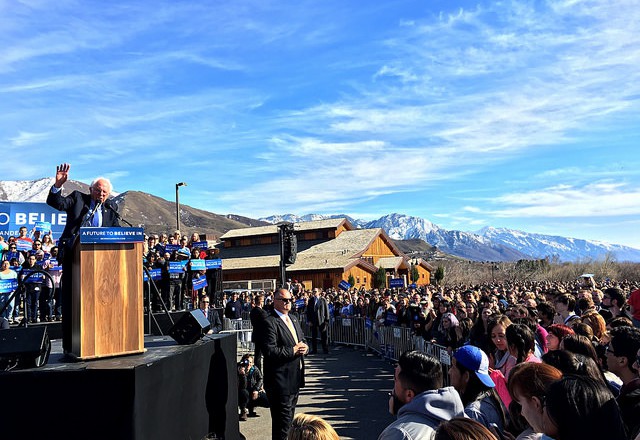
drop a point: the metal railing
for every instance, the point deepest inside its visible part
(388, 341)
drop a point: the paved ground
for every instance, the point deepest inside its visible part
(348, 388)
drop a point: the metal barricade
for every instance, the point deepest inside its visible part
(243, 330)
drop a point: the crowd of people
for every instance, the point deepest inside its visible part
(528, 360)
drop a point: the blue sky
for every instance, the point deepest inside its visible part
(520, 114)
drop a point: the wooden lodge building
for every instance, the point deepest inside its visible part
(329, 251)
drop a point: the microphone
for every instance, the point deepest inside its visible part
(89, 217)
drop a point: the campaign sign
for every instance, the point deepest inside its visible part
(31, 276)
(300, 303)
(200, 283)
(14, 215)
(43, 227)
(156, 274)
(8, 286)
(11, 255)
(54, 266)
(396, 282)
(413, 285)
(111, 235)
(368, 323)
(200, 245)
(177, 266)
(216, 263)
(390, 319)
(198, 264)
(171, 247)
(344, 285)
(24, 245)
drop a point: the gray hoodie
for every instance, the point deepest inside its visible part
(419, 418)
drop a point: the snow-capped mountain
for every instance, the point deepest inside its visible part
(292, 218)
(488, 244)
(25, 190)
(36, 191)
(567, 249)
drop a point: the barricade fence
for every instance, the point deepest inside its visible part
(388, 341)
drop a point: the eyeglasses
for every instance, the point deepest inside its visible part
(285, 300)
(610, 350)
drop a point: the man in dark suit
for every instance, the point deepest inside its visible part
(212, 315)
(258, 316)
(318, 317)
(284, 351)
(82, 210)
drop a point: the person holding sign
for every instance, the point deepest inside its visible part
(91, 209)
(7, 274)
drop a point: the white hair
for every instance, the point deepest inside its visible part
(105, 180)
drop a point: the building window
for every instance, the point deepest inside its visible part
(365, 280)
(357, 280)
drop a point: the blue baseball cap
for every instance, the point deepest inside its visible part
(474, 359)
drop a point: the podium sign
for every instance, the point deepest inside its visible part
(107, 304)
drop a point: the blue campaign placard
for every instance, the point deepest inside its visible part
(54, 266)
(8, 286)
(413, 285)
(390, 319)
(198, 264)
(11, 255)
(156, 274)
(300, 303)
(216, 263)
(171, 248)
(111, 235)
(24, 245)
(396, 282)
(177, 266)
(32, 277)
(43, 227)
(368, 323)
(344, 285)
(200, 245)
(200, 283)
(13, 215)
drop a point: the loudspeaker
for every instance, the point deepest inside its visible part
(24, 347)
(190, 328)
(290, 248)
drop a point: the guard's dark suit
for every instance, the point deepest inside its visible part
(76, 205)
(283, 372)
(318, 317)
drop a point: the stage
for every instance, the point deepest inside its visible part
(170, 392)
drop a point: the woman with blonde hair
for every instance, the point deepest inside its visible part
(310, 427)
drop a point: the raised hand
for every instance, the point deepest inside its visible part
(62, 173)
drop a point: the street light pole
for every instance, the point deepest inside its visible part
(178, 185)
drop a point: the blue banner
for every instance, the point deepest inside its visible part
(14, 215)
(199, 283)
(390, 319)
(413, 285)
(53, 265)
(396, 282)
(156, 274)
(8, 286)
(216, 263)
(344, 285)
(32, 277)
(24, 245)
(198, 264)
(300, 303)
(200, 245)
(11, 255)
(111, 235)
(177, 266)
(43, 227)
(368, 323)
(171, 248)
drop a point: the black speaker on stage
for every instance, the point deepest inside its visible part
(190, 328)
(24, 347)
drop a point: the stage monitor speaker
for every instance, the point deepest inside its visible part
(190, 328)
(24, 347)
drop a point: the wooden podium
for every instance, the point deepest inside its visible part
(107, 303)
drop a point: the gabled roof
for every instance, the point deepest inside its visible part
(391, 262)
(332, 223)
